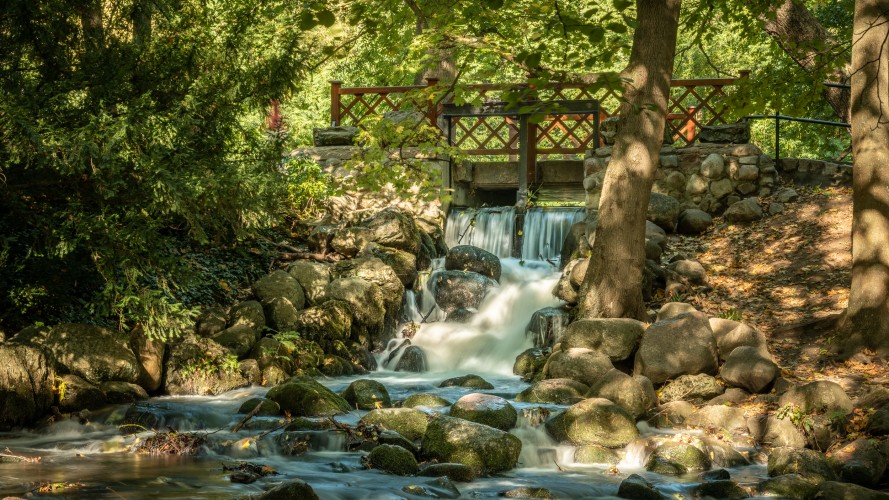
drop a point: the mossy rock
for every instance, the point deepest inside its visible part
(267, 407)
(554, 391)
(336, 366)
(307, 398)
(425, 400)
(393, 459)
(677, 459)
(455, 472)
(486, 409)
(725, 488)
(594, 421)
(527, 492)
(408, 422)
(788, 486)
(308, 424)
(366, 394)
(470, 381)
(595, 454)
(808, 463)
(484, 448)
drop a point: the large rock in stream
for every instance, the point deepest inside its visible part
(583, 365)
(460, 289)
(594, 421)
(473, 259)
(616, 338)
(305, 397)
(681, 345)
(94, 353)
(486, 409)
(201, 366)
(26, 384)
(486, 449)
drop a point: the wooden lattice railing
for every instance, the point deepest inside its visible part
(693, 103)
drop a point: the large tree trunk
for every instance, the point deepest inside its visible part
(612, 287)
(806, 41)
(442, 65)
(867, 318)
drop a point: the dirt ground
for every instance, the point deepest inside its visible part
(780, 275)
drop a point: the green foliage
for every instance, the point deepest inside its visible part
(206, 366)
(308, 186)
(732, 314)
(797, 416)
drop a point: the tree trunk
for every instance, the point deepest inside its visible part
(867, 318)
(612, 287)
(801, 36)
(444, 68)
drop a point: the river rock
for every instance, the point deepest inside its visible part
(470, 381)
(365, 300)
(413, 359)
(788, 486)
(673, 309)
(279, 285)
(690, 270)
(722, 454)
(774, 432)
(366, 394)
(312, 277)
(404, 264)
(77, 394)
(119, 392)
(409, 422)
(486, 409)
(731, 334)
(616, 338)
(459, 316)
(290, 490)
(595, 454)
(694, 388)
(747, 367)
(663, 210)
(559, 391)
(675, 459)
(833, 490)
(394, 228)
(671, 414)
(473, 259)
(693, 221)
(248, 313)
(583, 365)
(211, 321)
(239, 339)
(635, 395)
(393, 459)
(425, 400)
(860, 462)
(97, 354)
(373, 270)
(267, 407)
(485, 449)
(150, 357)
(807, 463)
(593, 421)
(727, 418)
(460, 289)
(454, 472)
(305, 397)
(747, 210)
(723, 489)
(682, 345)
(327, 323)
(821, 396)
(201, 366)
(636, 487)
(530, 362)
(547, 326)
(350, 241)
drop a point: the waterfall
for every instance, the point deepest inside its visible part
(491, 229)
(545, 230)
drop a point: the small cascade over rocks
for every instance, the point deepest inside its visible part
(490, 229)
(545, 230)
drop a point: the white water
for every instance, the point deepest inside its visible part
(490, 229)
(545, 230)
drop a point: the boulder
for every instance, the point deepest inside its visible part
(334, 136)
(713, 166)
(673, 309)
(878, 424)
(365, 300)
(485, 449)
(547, 326)
(460, 289)
(747, 210)
(201, 366)
(788, 486)
(730, 133)
(560, 391)
(486, 409)
(808, 463)
(454, 472)
(594, 421)
(403, 264)
(393, 459)
(94, 353)
(327, 323)
(747, 367)
(425, 400)
(676, 459)
(350, 241)
(722, 454)
(635, 395)
(575, 246)
(595, 454)
(413, 359)
(248, 313)
(636, 487)
(693, 221)
(118, 392)
(394, 228)
(671, 414)
(473, 259)
(583, 365)
(731, 334)
(279, 285)
(786, 195)
(616, 338)
(694, 388)
(821, 396)
(723, 488)
(280, 315)
(373, 270)
(366, 394)
(239, 339)
(663, 210)
(409, 422)
(77, 394)
(150, 357)
(774, 432)
(833, 490)
(691, 270)
(290, 490)
(860, 462)
(459, 316)
(726, 418)
(267, 407)
(470, 381)
(530, 362)
(305, 397)
(681, 345)
(312, 277)
(211, 321)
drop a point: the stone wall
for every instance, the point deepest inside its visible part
(809, 172)
(352, 206)
(707, 176)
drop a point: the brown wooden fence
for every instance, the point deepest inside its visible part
(693, 103)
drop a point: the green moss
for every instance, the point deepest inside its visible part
(393, 459)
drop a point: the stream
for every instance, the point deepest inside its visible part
(94, 458)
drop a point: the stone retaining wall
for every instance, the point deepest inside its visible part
(809, 172)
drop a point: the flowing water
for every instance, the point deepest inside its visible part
(96, 457)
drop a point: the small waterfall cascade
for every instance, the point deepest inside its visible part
(491, 229)
(546, 326)
(545, 230)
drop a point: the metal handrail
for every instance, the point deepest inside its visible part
(778, 117)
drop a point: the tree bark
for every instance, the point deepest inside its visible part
(867, 318)
(801, 36)
(612, 287)
(445, 67)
